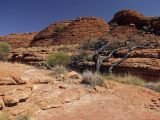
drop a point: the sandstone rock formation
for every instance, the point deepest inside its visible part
(127, 17)
(18, 40)
(66, 100)
(71, 32)
(46, 36)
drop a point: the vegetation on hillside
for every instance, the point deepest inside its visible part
(4, 51)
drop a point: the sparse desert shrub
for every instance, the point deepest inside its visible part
(88, 44)
(58, 29)
(93, 44)
(114, 44)
(57, 58)
(82, 56)
(4, 51)
(113, 25)
(59, 70)
(93, 79)
(133, 80)
(23, 117)
(141, 32)
(157, 87)
(4, 115)
(153, 86)
(127, 79)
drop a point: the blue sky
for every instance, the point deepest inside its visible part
(19, 16)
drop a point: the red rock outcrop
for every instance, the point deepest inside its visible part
(71, 32)
(47, 35)
(18, 40)
(127, 17)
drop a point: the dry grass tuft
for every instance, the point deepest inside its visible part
(93, 79)
(127, 79)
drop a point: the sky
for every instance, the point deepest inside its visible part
(18, 16)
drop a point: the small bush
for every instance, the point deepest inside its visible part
(93, 79)
(4, 51)
(58, 58)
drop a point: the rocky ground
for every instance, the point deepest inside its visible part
(26, 90)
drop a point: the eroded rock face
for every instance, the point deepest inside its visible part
(18, 40)
(71, 32)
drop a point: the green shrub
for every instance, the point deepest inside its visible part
(93, 79)
(57, 58)
(4, 51)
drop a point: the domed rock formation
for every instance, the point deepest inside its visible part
(46, 36)
(71, 32)
(127, 16)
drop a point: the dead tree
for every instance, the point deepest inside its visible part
(99, 59)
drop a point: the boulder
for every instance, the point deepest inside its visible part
(73, 75)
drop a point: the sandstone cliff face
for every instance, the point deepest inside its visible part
(18, 40)
(71, 32)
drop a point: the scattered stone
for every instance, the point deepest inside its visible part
(62, 87)
(10, 101)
